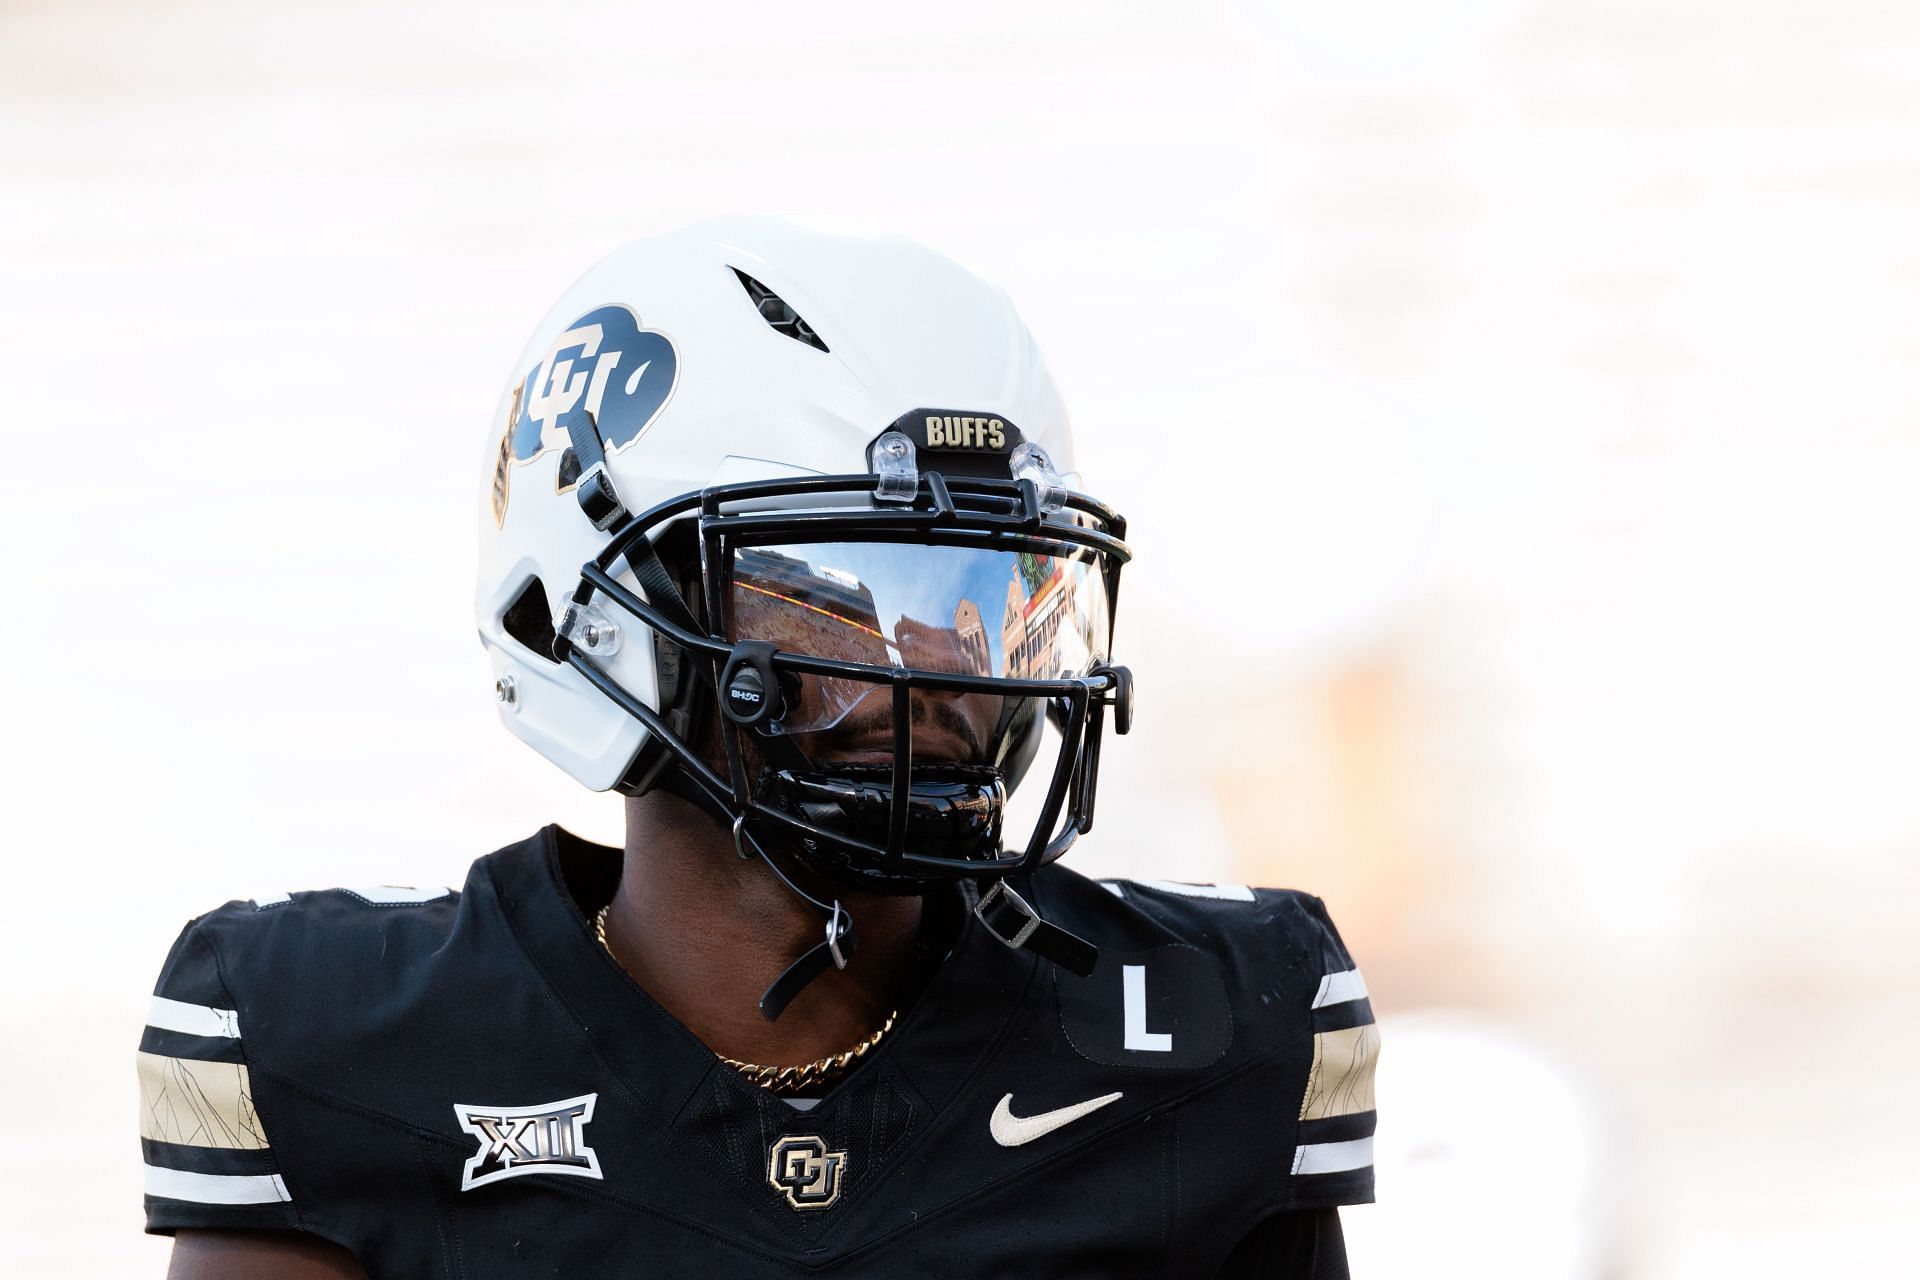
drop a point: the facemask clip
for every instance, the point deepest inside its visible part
(1030, 462)
(895, 464)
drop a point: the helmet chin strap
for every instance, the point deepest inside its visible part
(833, 951)
(1003, 912)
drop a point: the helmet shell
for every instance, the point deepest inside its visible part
(692, 383)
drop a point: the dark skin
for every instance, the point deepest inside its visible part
(710, 976)
(704, 933)
(275, 1255)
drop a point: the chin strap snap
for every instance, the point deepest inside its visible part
(1010, 918)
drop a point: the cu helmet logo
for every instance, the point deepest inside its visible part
(605, 363)
(805, 1172)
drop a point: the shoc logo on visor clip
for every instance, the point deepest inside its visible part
(752, 689)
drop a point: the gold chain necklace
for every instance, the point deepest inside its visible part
(781, 1080)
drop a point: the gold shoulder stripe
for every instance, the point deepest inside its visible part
(198, 1104)
(1340, 1082)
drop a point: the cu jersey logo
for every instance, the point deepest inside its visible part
(605, 363)
(802, 1169)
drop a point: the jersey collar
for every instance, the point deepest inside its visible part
(549, 885)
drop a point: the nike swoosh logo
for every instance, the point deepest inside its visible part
(1010, 1130)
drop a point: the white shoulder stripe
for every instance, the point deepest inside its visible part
(193, 1019)
(1224, 892)
(387, 895)
(1339, 988)
(1333, 1157)
(216, 1188)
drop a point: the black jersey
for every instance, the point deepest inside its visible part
(466, 1085)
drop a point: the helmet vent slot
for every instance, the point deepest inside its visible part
(527, 621)
(775, 311)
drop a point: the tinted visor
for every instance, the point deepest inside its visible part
(948, 609)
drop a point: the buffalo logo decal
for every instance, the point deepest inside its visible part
(605, 362)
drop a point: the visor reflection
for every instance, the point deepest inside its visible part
(954, 610)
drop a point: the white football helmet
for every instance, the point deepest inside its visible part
(760, 504)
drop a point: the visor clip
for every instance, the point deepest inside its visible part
(750, 691)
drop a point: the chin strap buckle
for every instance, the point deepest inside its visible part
(820, 957)
(832, 952)
(839, 928)
(1011, 918)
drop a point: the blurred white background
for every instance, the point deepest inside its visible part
(1513, 404)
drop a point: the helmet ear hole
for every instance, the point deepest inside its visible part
(527, 620)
